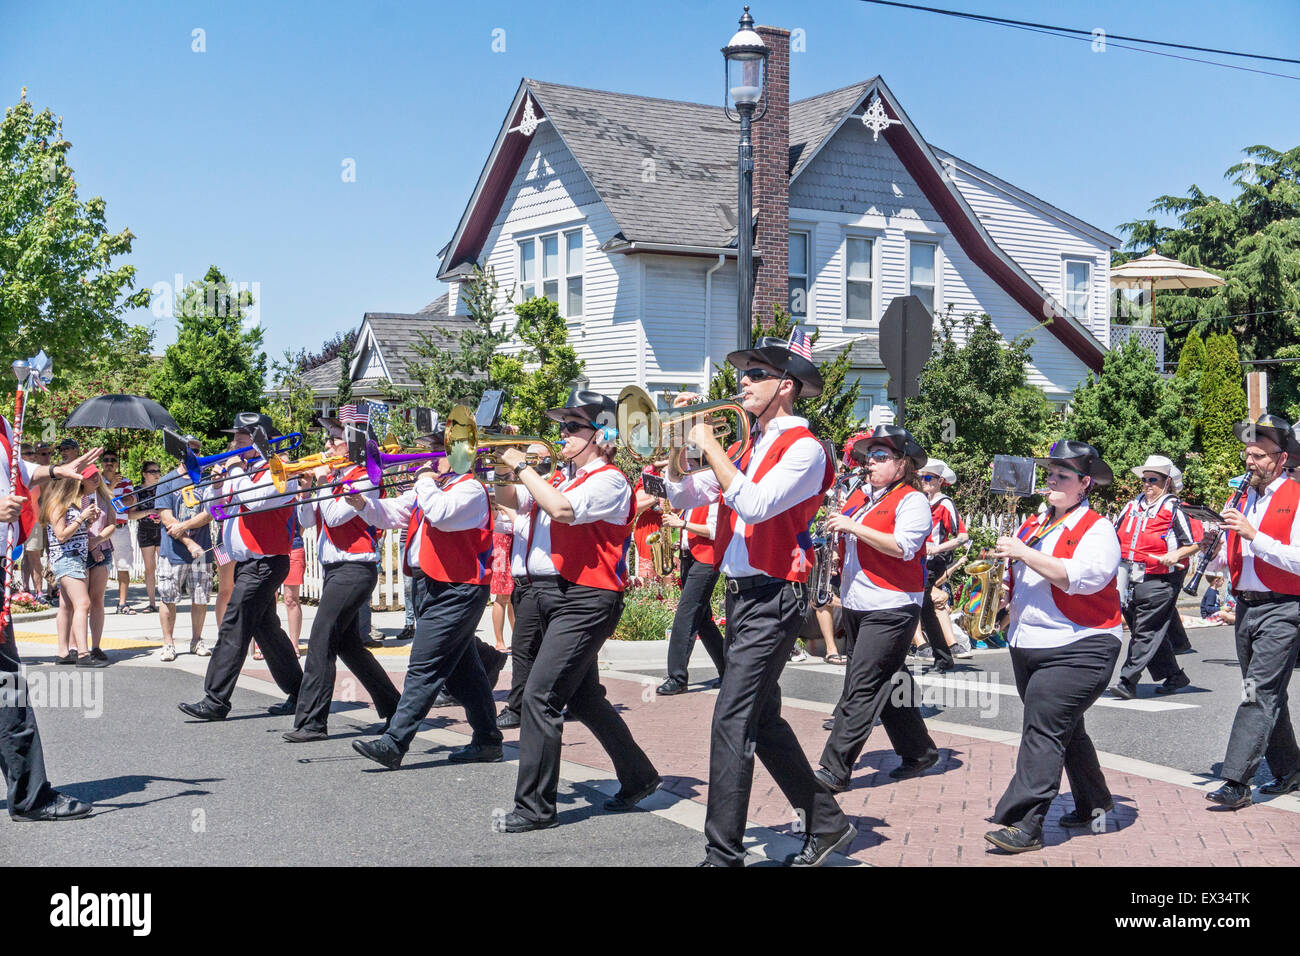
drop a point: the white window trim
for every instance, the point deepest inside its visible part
(876, 236)
(929, 239)
(1066, 259)
(560, 232)
(809, 230)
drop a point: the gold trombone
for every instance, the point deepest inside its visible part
(468, 448)
(650, 435)
(282, 472)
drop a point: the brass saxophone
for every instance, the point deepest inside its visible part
(663, 550)
(825, 546)
(987, 575)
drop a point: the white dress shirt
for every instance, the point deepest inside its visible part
(912, 520)
(255, 493)
(1274, 552)
(1036, 621)
(711, 519)
(603, 497)
(462, 505)
(791, 481)
(335, 511)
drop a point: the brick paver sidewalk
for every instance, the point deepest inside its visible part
(939, 818)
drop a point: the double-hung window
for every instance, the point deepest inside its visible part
(551, 265)
(922, 268)
(858, 279)
(798, 274)
(1077, 286)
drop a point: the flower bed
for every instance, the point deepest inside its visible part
(24, 602)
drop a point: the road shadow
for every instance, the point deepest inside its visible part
(109, 788)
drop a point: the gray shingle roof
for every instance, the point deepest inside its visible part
(865, 351)
(437, 307)
(813, 119)
(398, 333)
(323, 376)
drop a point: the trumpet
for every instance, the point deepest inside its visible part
(650, 435)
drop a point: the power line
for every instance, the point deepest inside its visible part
(1075, 33)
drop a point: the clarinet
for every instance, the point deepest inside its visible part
(1194, 585)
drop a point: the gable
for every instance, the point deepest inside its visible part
(549, 182)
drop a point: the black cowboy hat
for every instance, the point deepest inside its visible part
(599, 410)
(246, 421)
(777, 353)
(1080, 457)
(329, 422)
(896, 437)
(1274, 428)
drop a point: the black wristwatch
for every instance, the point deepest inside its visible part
(519, 468)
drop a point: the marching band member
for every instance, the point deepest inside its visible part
(1261, 548)
(1178, 639)
(576, 564)
(765, 550)
(22, 760)
(849, 485)
(946, 535)
(694, 614)
(347, 547)
(882, 588)
(1065, 639)
(258, 541)
(1154, 538)
(449, 558)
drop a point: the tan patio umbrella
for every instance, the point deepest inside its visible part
(1154, 271)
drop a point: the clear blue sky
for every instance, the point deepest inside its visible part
(234, 156)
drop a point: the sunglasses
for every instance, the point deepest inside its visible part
(152, 471)
(929, 477)
(879, 454)
(1147, 480)
(760, 374)
(572, 428)
(109, 461)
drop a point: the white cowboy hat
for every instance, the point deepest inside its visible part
(1157, 463)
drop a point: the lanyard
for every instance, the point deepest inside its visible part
(1044, 532)
(869, 505)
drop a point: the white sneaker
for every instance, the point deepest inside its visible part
(961, 650)
(169, 652)
(798, 655)
(199, 649)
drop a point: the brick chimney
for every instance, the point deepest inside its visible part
(772, 179)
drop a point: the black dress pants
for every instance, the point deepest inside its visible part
(878, 686)
(443, 652)
(694, 616)
(1268, 636)
(930, 628)
(576, 621)
(525, 639)
(336, 633)
(1149, 612)
(1057, 685)
(1178, 639)
(763, 623)
(21, 758)
(250, 616)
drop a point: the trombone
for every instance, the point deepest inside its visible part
(468, 448)
(650, 435)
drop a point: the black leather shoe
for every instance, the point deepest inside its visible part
(445, 699)
(90, 660)
(285, 708)
(407, 633)
(914, 768)
(508, 719)
(379, 752)
(829, 781)
(98, 654)
(942, 667)
(476, 753)
(203, 711)
(1275, 788)
(1186, 650)
(69, 658)
(304, 736)
(1124, 691)
(671, 687)
(1232, 795)
(59, 807)
(1174, 684)
(1013, 840)
(1076, 818)
(828, 723)
(818, 846)
(514, 823)
(713, 685)
(627, 801)
(495, 670)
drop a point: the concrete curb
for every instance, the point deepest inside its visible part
(21, 619)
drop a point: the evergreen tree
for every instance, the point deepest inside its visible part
(344, 395)
(1222, 405)
(540, 375)
(1191, 360)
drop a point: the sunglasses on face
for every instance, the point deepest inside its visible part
(759, 374)
(929, 477)
(879, 455)
(1148, 480)
(572, 428)
(152, 471)
(109, 461)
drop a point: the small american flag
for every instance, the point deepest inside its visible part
(800, 344)
(350, 415)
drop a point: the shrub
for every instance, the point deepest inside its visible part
(647, 612)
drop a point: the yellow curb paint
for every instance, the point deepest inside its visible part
(112, 643)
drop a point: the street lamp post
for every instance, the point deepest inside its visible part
(745, 67)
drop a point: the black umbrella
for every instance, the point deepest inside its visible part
(120, 411)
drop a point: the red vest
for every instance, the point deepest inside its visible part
(942, 526)
(645, 524)
(1093, 611)
(1277, 525)
(27, 516)
(701, 548)
(354, 536)
(453, 557)
(1150, 537)
(885, 570)
(593, 554)
(268, 532)
(781, 546)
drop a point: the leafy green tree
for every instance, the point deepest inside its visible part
(344, 394)
(216, 368)
(1222, 405)
(975, 403)
(830, 415)
(540, 375)
(58, 288)
(1129, 412)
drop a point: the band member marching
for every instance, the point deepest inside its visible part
(765, 550)
(1064, 634)
(347, 547)
(1262, 551)
(946, 535)
(694, 614)
(576, 564)
(1154, 539)
(258, 540)
(449, 558)
(882, 588)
